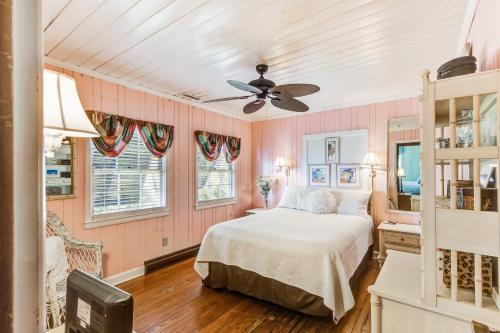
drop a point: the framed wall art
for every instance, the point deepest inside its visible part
(348, 175)
(319, 175)
(332, 150)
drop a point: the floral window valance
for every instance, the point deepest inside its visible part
(117, 131)
(211, 145)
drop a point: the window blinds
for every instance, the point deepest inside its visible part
(215, 179)
(135, 180)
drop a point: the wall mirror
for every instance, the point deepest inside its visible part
(403, 165)
(60, 170)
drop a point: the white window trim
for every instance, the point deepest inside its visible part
(199, 205)
(103, 220)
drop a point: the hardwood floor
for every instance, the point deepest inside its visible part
(174, 300)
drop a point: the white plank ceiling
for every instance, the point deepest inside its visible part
(357, 51)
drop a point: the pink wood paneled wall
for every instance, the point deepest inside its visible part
(485, 35)
(127, 245)
(283, 137)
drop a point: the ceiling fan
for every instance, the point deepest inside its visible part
(281, 96)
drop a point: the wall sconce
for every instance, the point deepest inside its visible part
(371, 161)
(282, 167)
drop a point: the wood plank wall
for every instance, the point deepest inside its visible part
(283, 137)
(127, 246)
(484, 35)
(7, 168)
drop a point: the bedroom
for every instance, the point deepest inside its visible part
(305, 201)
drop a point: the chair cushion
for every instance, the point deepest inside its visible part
(57, 262)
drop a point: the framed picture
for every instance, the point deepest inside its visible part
(319, 175)
(332, 150)
(348, 175)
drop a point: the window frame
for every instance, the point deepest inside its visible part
(204, 204)
(101, 220)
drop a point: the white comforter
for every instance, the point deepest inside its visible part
(317, 253)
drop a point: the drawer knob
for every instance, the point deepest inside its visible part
(402, 239)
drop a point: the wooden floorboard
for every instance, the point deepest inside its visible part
(174, 300)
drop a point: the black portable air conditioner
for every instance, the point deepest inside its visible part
(94, 306)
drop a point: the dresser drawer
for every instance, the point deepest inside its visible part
(402, 248)
(402, 238)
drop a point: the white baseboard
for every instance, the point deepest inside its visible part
(125, 276)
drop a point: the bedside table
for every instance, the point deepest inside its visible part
(399, 237)
(256, 211)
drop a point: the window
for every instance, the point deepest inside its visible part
(215, 180)
(132, 184)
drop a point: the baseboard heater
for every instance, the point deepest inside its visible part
(166, 260)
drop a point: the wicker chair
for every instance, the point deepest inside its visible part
(86, 256)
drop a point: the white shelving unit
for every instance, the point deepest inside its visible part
(468, 235)
(474, 232)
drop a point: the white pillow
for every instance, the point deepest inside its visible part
(303, 194)
(321, 202)
(352, 202)
(290, 198)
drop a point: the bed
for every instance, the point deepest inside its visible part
(410, 187)
(297, 259)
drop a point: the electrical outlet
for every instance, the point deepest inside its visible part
(164, 241)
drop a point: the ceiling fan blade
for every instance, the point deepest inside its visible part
(243, 86)
(290, 104)
(227, 99)
(254, 106)
(294, 89)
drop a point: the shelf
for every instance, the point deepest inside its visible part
(466, 85)
(488, 314)
(60, 172)
(467, 153)
(454, 228)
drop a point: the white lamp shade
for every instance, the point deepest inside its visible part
(280, 162)
(62, 110)
(371, 160)
(401, 172)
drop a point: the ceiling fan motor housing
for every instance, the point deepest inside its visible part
(262, 83)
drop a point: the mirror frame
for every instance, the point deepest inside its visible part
(389, 166)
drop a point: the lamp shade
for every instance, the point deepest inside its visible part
(280, 162)
(401, 172)
(371, 160)
(62, 110)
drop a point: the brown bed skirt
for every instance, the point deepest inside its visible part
(250, 283)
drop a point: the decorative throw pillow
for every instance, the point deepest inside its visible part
(321, 202)
(352, 202)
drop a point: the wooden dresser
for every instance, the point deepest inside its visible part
(399, 237)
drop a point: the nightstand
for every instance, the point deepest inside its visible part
(256, 211)
(399, 237)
